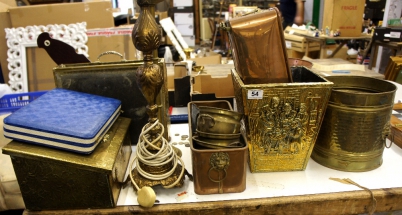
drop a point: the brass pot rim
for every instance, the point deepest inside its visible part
(360, 91)
(217, 144)
(376, 86)
(218, 136)
(236, 115)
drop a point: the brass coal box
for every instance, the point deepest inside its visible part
(220, 169)
(282, 120)
(356, 124)
(55, 179)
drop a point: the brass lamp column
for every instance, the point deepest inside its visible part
(152, 169)
(146, 37)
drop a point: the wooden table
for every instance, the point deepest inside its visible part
(338, 61)
(355, 202)
(395, 46)
(342, 42)
(348, 200)
(322, 40)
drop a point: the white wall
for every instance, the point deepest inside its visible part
(308, 11)
(393, 10)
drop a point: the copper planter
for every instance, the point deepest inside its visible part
(221, 170)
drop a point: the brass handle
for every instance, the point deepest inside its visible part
(111, 52)
(391, 139)
(208, 116)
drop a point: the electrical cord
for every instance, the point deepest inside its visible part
(164, 155)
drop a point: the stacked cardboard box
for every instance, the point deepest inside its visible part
(97, 14)
(345, 15)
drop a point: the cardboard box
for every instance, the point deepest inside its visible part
(211, 59)
(206, 87)
(345, 15)
(111, 39)
(96, 14)
(11, 3)
(342, 53)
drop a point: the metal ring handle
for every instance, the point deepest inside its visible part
(207, 116)
(391, 140)
(218, 170)
(111, 52)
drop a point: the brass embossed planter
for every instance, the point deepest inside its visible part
(356, 124)
(283, 121)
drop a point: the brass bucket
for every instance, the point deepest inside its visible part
(356, 123)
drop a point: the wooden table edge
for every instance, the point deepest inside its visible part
(352, 202)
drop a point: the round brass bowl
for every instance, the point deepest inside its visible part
(214, 120)
(218, 144)
(299, 62)
(218, 136)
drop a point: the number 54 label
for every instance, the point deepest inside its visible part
(255, 94)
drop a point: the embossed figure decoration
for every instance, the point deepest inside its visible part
(284, 124)
(156, 160)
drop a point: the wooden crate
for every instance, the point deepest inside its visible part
(396, 127)
(299, 43)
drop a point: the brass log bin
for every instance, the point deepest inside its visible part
(216, 170)
(52, 179)
(356, 124)
(283, 124)
(283, 107)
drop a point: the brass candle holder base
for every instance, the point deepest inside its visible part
(142, 181)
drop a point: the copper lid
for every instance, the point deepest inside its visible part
(258, 47)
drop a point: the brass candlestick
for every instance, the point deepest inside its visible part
(156, 161)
